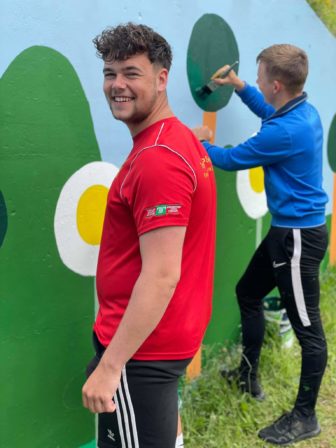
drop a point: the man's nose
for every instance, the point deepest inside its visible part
(119, 82)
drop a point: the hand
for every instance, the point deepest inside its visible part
(231, 78)
(203, 132)
(99, 389)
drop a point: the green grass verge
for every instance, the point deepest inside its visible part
(326, 10)
(217, 416)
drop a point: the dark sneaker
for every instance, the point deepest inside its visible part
(245, 383)
(290, 428)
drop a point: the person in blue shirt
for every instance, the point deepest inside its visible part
(289, 148)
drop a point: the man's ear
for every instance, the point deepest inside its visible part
(162, 78)
(277, 86)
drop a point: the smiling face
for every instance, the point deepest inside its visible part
(135, 90)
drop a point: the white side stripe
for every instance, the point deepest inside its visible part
(296, 279)
(120, 426)
(125, 415)
(131, 409)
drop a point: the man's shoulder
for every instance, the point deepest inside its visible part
(173, 130)
(297, 124)
(172, 135)
(175, 150)
(309, 106)
(163, 154)
(302, 115)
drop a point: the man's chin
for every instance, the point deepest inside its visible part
(134, 119)
(119, 116)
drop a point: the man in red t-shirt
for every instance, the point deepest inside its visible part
(156, 260)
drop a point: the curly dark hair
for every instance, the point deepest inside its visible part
(126, 40)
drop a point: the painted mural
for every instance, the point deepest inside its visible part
(332, 163)
(59, 152)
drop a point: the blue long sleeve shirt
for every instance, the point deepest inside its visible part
(289, 148)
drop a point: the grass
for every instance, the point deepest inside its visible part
(326, 10)
(217, 416)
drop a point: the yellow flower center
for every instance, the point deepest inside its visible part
(256, 176)
(90, 213)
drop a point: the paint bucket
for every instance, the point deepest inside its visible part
(276, 315)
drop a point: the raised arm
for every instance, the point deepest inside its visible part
(250, 96)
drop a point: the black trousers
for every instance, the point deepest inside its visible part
(288, 259)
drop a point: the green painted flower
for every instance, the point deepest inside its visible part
(332, 145)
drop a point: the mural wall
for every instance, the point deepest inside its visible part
(59, 151)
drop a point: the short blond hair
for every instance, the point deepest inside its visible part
(286, 63)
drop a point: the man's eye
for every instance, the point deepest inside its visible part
(132, 75)
(109, 75)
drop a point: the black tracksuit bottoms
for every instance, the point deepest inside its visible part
(288, 259)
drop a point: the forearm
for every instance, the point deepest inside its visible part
(255, 101)
(238, 84)
(148, 303)
(219, 156)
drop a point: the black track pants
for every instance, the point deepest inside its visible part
(288, 259)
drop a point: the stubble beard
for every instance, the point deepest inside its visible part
(136, 116)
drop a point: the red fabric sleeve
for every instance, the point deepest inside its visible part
(159, 189)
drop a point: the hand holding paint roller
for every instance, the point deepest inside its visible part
(224, 75)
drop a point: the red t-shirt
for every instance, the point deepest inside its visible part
(167, 180)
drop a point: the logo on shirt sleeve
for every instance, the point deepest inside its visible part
(206, 165)
(163, 210)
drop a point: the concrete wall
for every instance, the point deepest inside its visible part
(59, 151)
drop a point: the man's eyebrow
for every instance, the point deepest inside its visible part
(125, 69)
(132, 67)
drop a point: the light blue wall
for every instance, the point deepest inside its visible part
(70, 26)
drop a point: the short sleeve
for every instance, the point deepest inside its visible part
(159, 188)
